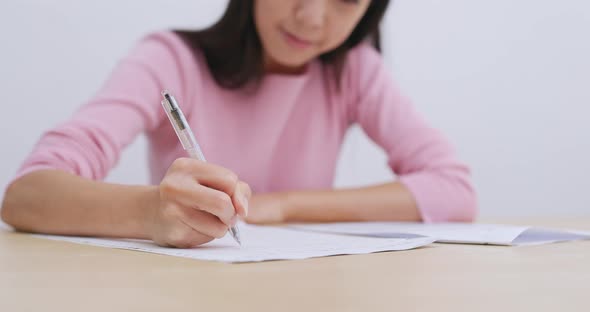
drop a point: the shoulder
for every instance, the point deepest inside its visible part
(162, 47)
(171, 61)
(362, 65)
(367, 82)
(364, 55)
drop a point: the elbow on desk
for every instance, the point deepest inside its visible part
(8, 208)
(465, 211)
(15, 210)
(461, 207)
(443, 197)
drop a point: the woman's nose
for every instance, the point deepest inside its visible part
(311, 13)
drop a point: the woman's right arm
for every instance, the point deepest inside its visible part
(57, 202)
(59, 191)
(195, 203)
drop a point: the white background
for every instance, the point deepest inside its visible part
(506, 80)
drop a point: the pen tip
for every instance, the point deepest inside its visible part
(164, 93)
(235, 234)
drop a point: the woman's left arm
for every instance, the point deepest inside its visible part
(432, 184)
(386, 202)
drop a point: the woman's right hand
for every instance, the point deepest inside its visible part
(198, 202)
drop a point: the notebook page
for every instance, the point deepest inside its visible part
(262, 244)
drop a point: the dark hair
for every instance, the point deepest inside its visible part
(233, 50)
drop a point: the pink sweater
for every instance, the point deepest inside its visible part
(284, 136)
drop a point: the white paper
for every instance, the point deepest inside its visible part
(463, 233)
(262, 244)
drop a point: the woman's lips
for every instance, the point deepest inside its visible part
(295, 41)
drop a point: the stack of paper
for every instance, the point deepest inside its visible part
(264, 243)
(463, 233)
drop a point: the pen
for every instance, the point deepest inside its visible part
(187, 139)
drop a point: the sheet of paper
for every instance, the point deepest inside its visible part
(538, 236)
(264, 243)
(463, 233)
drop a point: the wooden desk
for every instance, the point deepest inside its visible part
(43, 275)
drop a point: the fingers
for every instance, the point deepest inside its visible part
(208, 187)
(185, 238)
(208, 174)
(218, 204)
(190, 194)
(174, 229)
(185, 227)
(204, 223)
(199, 202)
(241, 198)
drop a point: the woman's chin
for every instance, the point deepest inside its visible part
(289, 65)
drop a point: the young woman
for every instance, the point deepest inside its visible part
(270, 91)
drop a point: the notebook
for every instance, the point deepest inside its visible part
(262, 243)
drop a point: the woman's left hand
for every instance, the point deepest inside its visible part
(267, 208)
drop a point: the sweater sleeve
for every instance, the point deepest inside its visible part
(90, 142)
(419, 155)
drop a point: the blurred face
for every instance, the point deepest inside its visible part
(294, 32)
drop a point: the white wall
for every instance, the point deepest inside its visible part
(504, 79)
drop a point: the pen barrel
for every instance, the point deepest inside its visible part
(187, 138)
(195, 153)
(189, 143)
